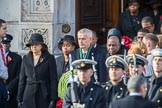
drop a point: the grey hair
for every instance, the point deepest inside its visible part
(135, 82)
(147, 19)
(152, 37)
(87, 31)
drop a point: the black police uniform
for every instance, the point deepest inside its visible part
(155, 91)
(114, 92)
(91, 95)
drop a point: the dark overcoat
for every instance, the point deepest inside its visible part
(38, 84)
(62, 67)
(91, 95)
(99, 57)
(125, 25)
(14, 64)
(132, 102)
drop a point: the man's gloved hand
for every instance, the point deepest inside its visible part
(52, 104)
(20, 104)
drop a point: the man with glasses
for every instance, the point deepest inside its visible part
(148, 23)
(141, 33)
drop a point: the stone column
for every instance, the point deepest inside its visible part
(63, 21)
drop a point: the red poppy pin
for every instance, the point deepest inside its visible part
(161, 17)
(9, 59)
(41, 60)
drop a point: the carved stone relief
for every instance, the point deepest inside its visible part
(26, 33)
(40, 6)
(36, 10)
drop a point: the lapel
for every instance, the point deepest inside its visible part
(9, 58)
(42, 57)
(29, 57)
(89, 56)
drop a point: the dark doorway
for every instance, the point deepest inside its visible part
(97, 15)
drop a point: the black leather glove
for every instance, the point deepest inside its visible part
(52, 104)
(20, 105)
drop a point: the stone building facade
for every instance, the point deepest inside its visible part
(52, 18)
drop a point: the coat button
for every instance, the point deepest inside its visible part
(91, 89)
(121, 88)
(160, 90)
(118, 96)
(158, 101)
(107, 88)
(90, 99)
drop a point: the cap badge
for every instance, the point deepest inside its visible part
(82, 64)
(114, 60)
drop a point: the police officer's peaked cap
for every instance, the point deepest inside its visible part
(116, 61)
(7, 39)
(114, 32)
(157, 52)
(140, 60)
(83, 63)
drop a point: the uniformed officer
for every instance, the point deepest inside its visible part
(89, 95)
(136, 64)
(13, 63)
(115, 88)
(155, 89)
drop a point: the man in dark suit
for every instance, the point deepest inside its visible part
(137, 87)
(87, 51)
(13, 63)
(94, 40)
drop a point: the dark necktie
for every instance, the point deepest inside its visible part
(3, 54)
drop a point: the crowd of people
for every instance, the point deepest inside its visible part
(126, 72)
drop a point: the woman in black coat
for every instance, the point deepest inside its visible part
(66, 45)
(38, 76)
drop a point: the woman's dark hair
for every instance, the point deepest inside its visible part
(44, 47)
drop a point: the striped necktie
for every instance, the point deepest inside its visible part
(3, 54)
(84, 55)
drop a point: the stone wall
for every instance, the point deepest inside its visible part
(47, 17)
